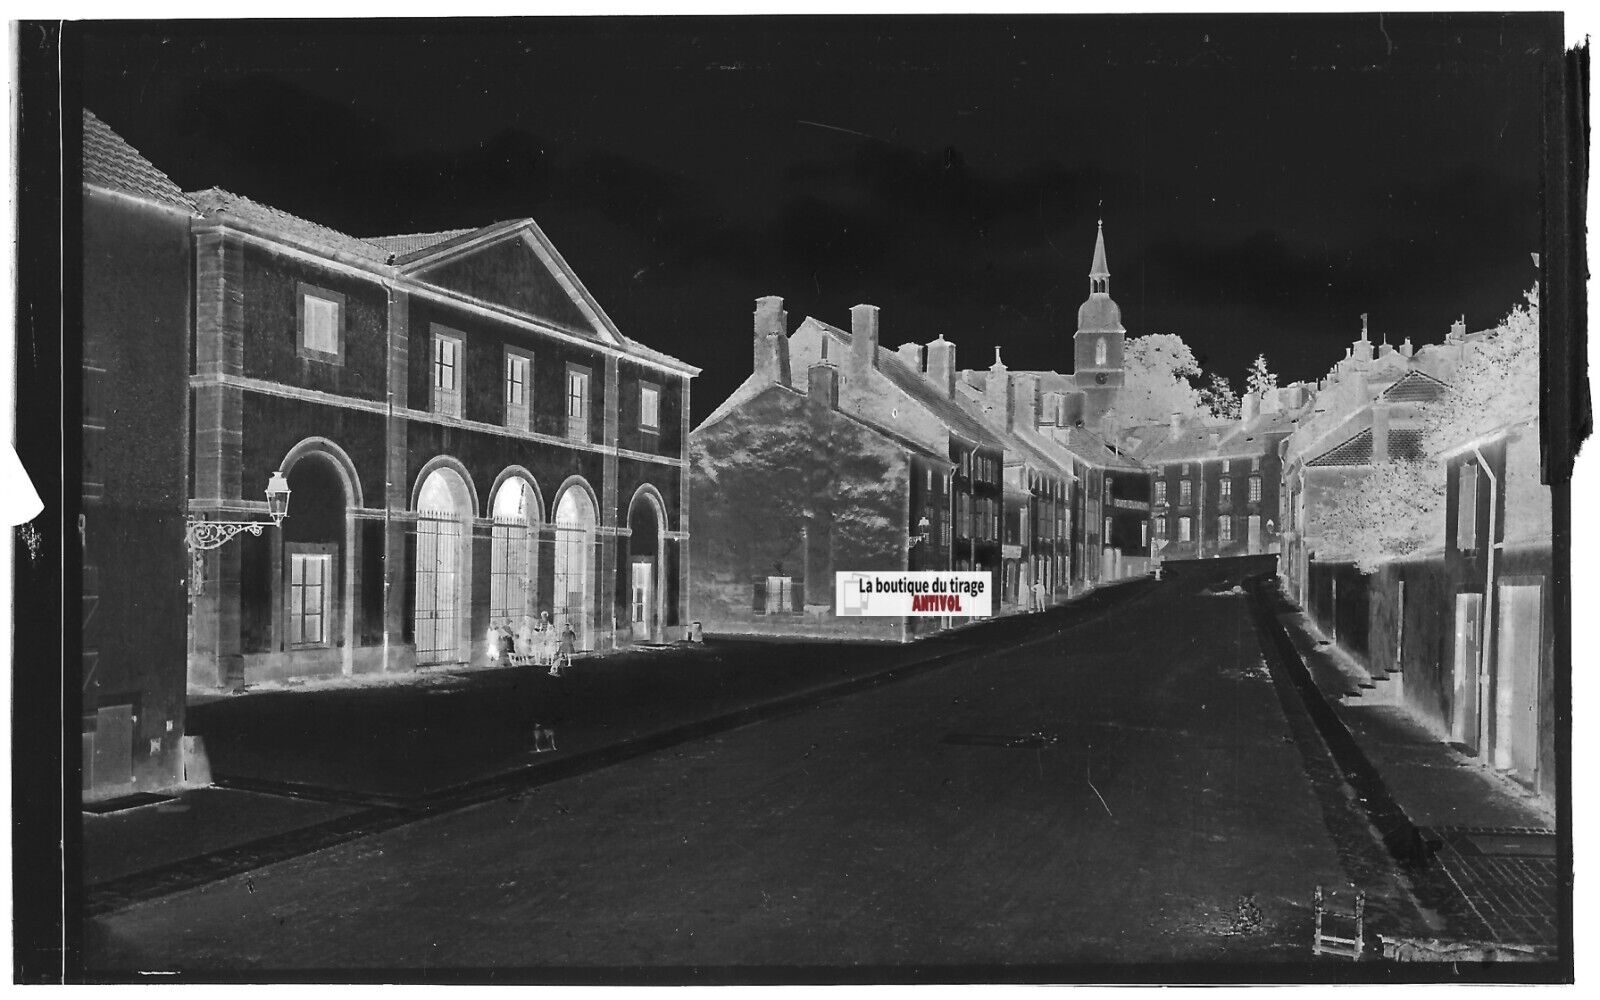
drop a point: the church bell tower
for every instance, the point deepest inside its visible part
(1097, 346)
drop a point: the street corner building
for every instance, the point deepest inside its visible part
(466, 438)
(839, 454)
(1420, 537)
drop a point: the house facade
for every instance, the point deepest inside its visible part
(136, 286)
(467, 438)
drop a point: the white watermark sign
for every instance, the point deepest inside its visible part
(929, 593)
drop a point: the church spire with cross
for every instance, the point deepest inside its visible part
(1098, 342)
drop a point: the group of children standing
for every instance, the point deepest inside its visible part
(537, 643)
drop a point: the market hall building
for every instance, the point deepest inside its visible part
(467, 437)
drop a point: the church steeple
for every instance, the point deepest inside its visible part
(1098, 343)
(1099, 273)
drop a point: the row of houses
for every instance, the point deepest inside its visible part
(1449, 600)
(465, 436)
(839, 454)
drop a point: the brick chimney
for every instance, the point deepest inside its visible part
(1380, 432)
(822, 385)
(1405, 347)
(863, 339)
(771, 340)
(911, 354)
(1025, 401)
(1247, 407)
(997, 390)
(1176, 427)
(942, 365)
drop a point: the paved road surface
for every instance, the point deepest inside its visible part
(891, 827)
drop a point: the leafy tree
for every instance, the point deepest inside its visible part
(1382, 514)
(1260, 377)
(1217, 395)
(1159, 372)
(1495, 385)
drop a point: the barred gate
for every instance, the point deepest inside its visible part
(440, 609)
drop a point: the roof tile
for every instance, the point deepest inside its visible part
(108, 161)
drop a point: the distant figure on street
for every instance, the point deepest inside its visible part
(1040, 595)
(569, 642)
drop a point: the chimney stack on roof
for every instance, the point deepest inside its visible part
(1176, 426)
(1406, 348)
(822, 385)
(997, 390)
(771, 339)
(1247, 407)
(942, 365)
(863, 339)
(911, 354)
(1270, 401)
(1458, 330)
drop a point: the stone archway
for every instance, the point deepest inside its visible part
(444, 507)
(646, 579)
(573, 587)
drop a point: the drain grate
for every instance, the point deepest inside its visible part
(1030, 741)
(1514, 845)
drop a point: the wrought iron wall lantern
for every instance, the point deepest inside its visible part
(202, 535)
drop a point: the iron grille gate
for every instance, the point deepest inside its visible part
(439, 605)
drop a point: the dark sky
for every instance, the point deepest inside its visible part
(1265, 180)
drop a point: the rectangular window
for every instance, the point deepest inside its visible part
(577, 403)
(1185, 468)
(1144, 534)
(1225, 529)
(1185, 492)
(1255, 464)
(1183, 529)
(1161, 526)
(1225, 465)
(519, 379)
(1467, 507)
(321, 316)
(1225, 491)
(446, 374)
(310, 578)
(1255, 489)
(1161, 491)
(1107, 535)
(649, 407)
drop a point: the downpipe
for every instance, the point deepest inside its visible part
(1502, 749)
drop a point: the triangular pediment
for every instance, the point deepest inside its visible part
(516, 270)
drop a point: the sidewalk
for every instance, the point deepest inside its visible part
(297, 770)
(1488, 847)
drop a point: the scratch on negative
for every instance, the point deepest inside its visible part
(1097, 794)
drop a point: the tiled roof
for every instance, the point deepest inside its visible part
(947, 410)
(412, 242)
(1092, 448)
(1405, 443)
(1353, 451)
(1415, 387)
(215, 201)
(108, 161)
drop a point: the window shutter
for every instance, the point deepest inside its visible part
(797, 594)
(1467, 508)
(759, 603)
